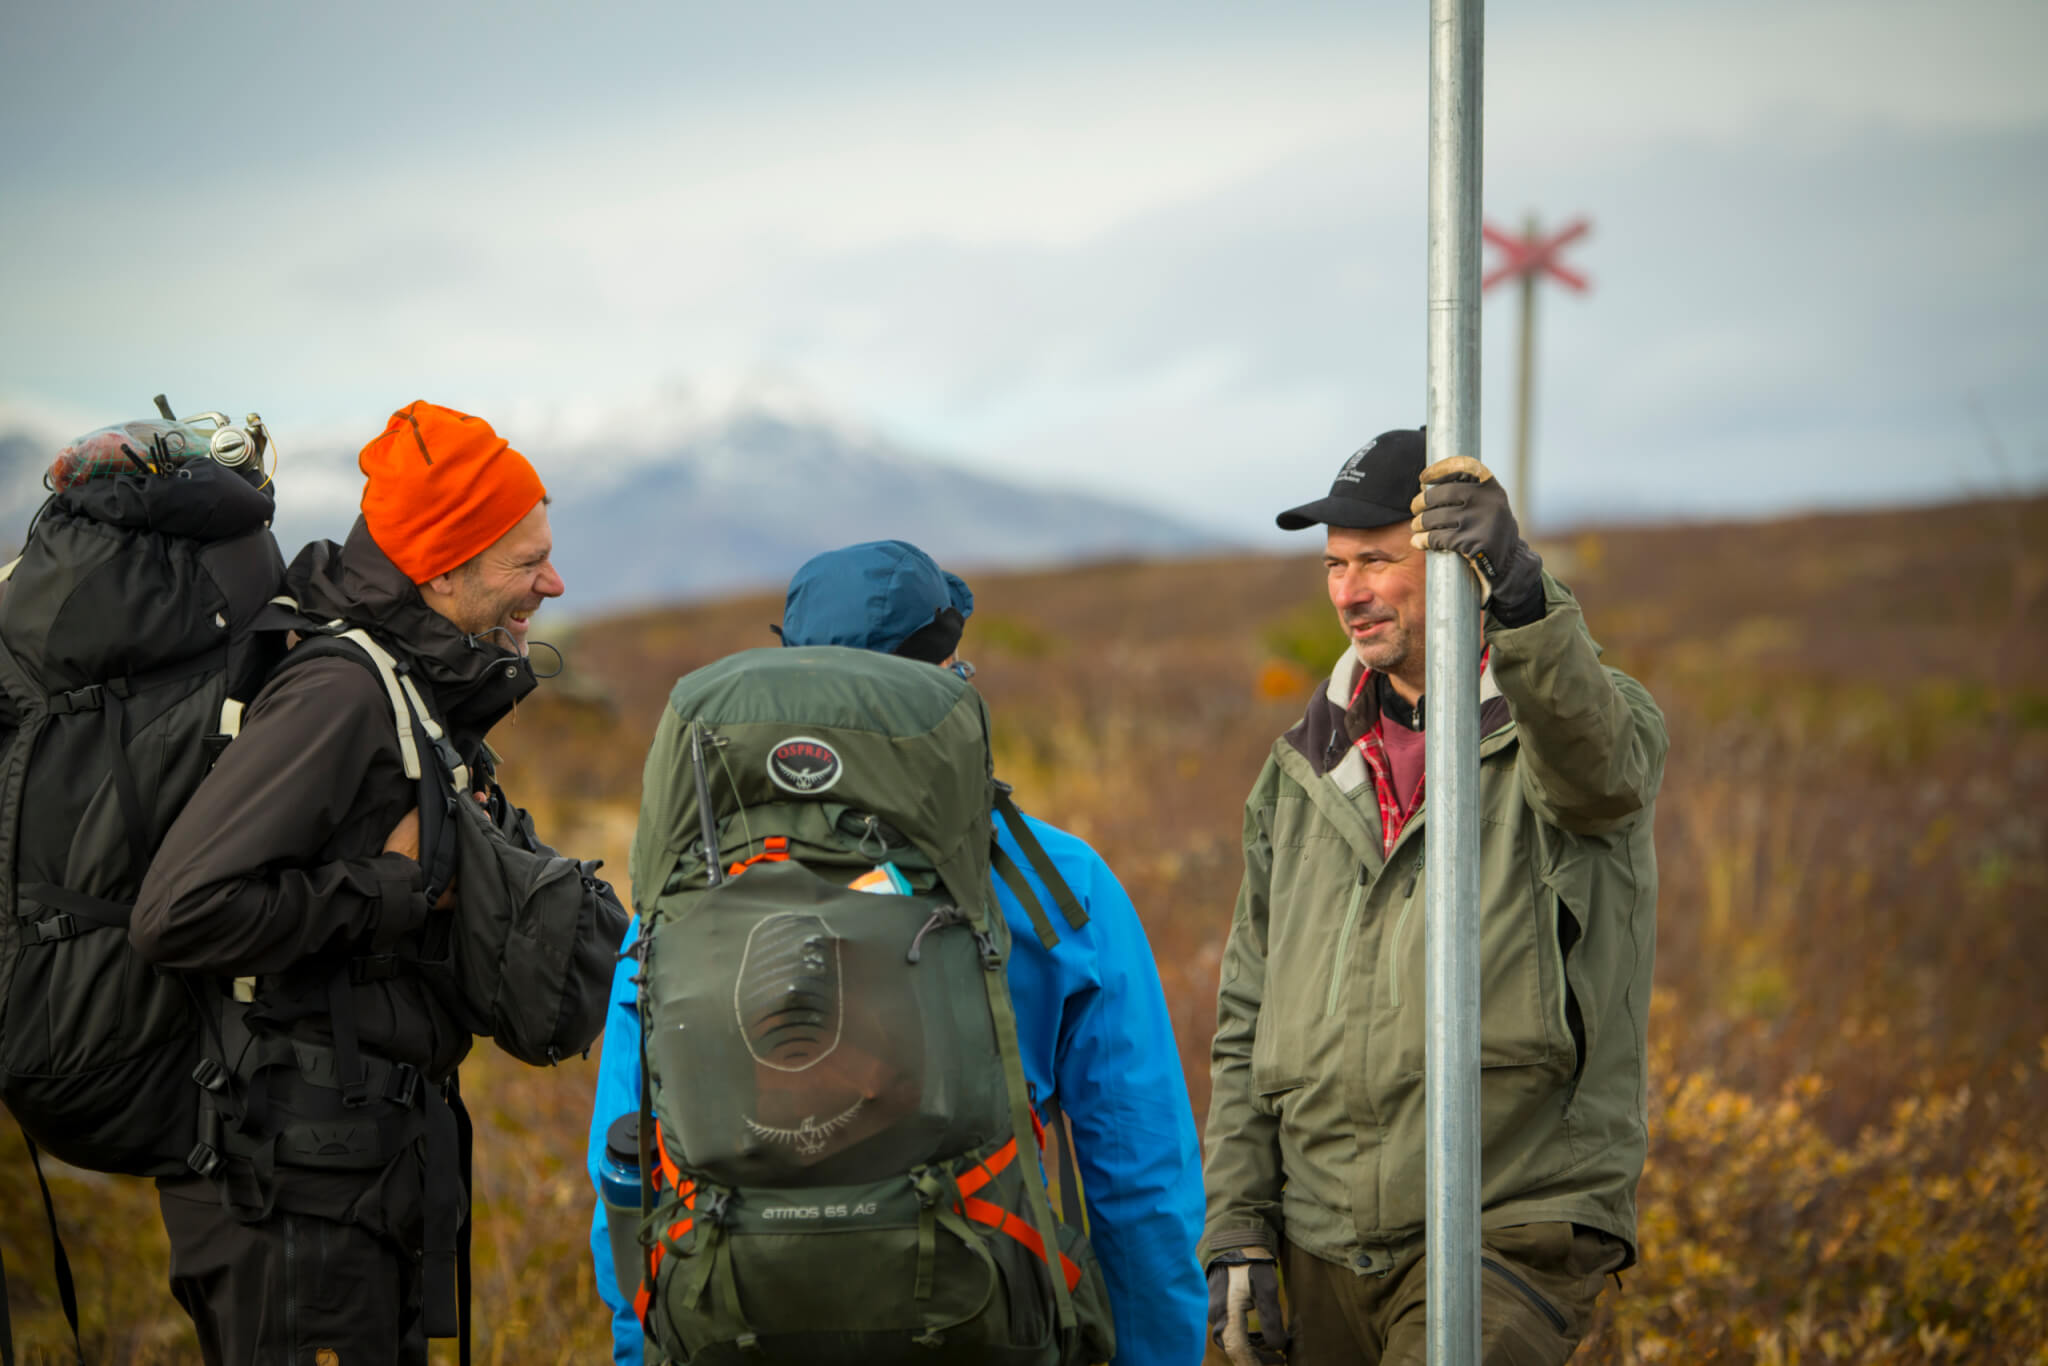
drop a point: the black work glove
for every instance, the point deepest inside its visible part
(1242, 1282)
(1462, 507)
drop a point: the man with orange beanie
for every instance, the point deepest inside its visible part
(319, 1221)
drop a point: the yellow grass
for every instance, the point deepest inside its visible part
(1850, 1048)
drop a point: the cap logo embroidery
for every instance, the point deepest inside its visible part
(1353, 468)
(804, 765)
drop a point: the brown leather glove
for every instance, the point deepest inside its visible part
(1242, 1282)
(1462, 507)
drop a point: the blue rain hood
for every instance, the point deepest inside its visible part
(872, 596)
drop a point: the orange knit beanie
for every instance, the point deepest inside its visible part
(443, 487)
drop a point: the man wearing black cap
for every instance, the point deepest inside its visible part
(1316, 1154)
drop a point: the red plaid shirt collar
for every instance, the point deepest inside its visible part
(1393, 815)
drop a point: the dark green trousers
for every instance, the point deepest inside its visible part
(1537, 1285)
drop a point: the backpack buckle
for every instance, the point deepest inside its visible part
(715, 1206)
(210, 1074)
(91, 697)
(57, 927)
(203, 1159)
(373, 967)
(402, 1087)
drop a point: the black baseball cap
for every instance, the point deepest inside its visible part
(1374, 488)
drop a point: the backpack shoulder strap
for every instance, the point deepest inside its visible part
(1041, 863)
(1006, 868)
(410, 713)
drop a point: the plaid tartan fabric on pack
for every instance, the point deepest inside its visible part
(125, 447)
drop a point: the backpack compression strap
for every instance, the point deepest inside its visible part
(1023, 1115)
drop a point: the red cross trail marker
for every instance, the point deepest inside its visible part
(1528, 258)
(1535, 254)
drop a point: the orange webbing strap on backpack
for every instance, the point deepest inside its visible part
(777, 851)
(995, 1216)
(688, 1190)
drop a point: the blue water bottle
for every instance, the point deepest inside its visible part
(619, 1183)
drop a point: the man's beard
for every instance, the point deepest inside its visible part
(1385, 652)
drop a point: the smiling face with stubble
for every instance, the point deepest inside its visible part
(1376, 584)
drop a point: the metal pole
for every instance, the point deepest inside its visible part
(1451, 754)
(1525, 395)
(714, 871)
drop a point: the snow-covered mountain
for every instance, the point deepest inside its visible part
(745, 502)
(657, 510)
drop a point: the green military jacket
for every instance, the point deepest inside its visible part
(1316, 1123)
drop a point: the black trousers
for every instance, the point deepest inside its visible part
(294, 1289)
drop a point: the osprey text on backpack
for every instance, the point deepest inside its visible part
(841, 1128)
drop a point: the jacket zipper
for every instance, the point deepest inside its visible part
(1564, 992)
(1528, 1292)
(1358, 895)
(1394, 944)
(1344, 943)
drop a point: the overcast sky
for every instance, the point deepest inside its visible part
(1170, 251)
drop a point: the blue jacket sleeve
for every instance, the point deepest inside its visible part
(618, 1092)
(1116, 1069)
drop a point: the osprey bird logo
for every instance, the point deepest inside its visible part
(810, 1137)
(804, 765)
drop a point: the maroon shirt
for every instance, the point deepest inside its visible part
(1393, 754)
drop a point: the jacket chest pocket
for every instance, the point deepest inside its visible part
(1524, 1001)
(1276, 1062)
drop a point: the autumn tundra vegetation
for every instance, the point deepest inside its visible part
(1849, 1087)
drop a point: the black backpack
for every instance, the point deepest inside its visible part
(128, 648)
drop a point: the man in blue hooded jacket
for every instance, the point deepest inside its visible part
(1091, 1017)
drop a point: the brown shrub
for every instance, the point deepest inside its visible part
(1849, 1039)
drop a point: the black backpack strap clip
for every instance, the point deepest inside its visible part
(56, 929)
(91, 697)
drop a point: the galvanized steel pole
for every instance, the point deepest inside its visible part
(1524, 487)
(1451, 754)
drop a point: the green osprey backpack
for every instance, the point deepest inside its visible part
(841, 1151)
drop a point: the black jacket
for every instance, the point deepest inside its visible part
(275, 869)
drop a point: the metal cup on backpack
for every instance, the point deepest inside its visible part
(162, 446)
